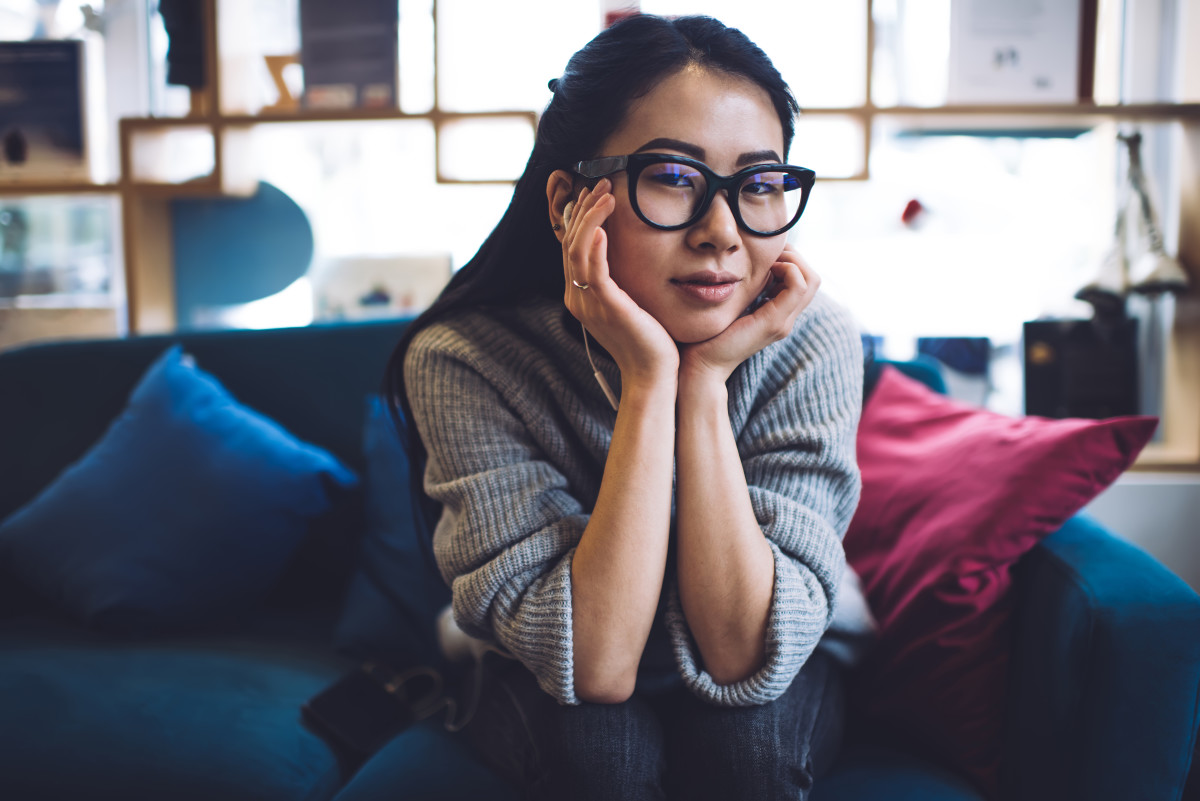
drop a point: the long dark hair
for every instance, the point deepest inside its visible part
(522, 259)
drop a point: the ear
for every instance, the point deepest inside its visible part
(560, 190)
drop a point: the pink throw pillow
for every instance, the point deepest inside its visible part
(952, 497)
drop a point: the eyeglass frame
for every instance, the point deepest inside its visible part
(633, 164)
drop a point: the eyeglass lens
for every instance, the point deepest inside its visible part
(670, 194)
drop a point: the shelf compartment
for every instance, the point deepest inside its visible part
(835, 146)
(491, 149)
(173, 155)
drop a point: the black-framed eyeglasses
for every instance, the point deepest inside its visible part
(672, 192)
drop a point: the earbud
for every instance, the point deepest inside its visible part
(567, 209)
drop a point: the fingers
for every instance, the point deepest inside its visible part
(584, 242)
(590, 211)
(796, 275)
(812, 281)
(797, 285)
(585, 253)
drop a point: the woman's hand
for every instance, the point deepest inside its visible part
(638, 343)
(796, 286)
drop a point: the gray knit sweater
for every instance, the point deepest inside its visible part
(517, 432)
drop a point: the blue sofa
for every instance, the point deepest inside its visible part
(1102, 693)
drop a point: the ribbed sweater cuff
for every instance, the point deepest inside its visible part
(799, 615)
(544, 638)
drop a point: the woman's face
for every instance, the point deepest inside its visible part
(698, 280)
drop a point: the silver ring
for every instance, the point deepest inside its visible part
(579, 285)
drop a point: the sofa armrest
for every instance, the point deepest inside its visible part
(1105, 675)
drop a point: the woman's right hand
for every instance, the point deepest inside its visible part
(641, 347)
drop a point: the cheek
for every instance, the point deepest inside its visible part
(622, 225)
(631, 243)
(765, 252)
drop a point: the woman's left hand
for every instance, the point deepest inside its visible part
(796, 286)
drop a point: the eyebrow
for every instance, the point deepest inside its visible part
(757, 157)
(696, 152)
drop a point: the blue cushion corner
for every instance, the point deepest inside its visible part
(392, 603)
(188, 507)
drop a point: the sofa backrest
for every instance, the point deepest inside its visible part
(57, 399)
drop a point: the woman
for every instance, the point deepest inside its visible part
(637, 417)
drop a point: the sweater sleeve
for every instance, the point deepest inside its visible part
(798, 454)
(509, 524)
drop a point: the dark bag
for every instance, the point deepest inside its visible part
(360, 712)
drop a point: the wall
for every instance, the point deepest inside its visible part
(1159, 512)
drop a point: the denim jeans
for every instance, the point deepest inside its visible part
(670, 745)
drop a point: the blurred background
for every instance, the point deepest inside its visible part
(189, 164)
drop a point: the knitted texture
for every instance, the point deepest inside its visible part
(517, 432)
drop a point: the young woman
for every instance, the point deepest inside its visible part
(636, 418)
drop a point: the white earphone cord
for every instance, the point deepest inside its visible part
(608, 393)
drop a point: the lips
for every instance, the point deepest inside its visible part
(706, 277)
(708, 287)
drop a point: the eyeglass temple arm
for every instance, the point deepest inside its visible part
(598, 168)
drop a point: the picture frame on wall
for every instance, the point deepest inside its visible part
(43, 114)
(1021, 52)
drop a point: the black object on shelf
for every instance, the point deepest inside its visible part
(184, 22)
(1081, 368)
(42, 107)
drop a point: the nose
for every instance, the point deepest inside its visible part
(717, 229)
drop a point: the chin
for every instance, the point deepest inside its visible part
(698, 330)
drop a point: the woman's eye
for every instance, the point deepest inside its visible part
(759, 185)
(675, 178)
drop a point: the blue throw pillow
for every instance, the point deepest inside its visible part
(187, 508)
(394, 597)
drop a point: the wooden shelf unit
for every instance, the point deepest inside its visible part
(147, 231)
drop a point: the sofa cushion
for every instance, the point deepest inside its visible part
(421, 759)
(426, 763)
(1105, 672)
(396, 593)
(866, 771)
(189, 506)
(952, 497)
(189, 719)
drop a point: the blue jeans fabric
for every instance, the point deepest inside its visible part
(666, 746)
